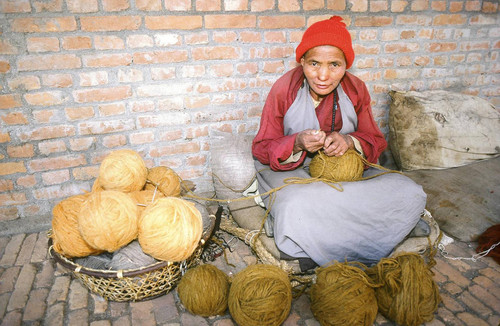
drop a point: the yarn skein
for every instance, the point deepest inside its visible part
(260, 295)
(108, 220)
(170, 229)
(167, 181)
(409, 295)
(343, 295)
(144, 198)
(123, 170)
(66, 236)
(348, 167)
(204, 290)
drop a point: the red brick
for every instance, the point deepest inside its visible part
(456, 6)
(191, 71)
(12, 168)
(15, 6)
(236, 5)
(272, 22)
(336, 5)
(193, 102)
(250, 37)
(50, 147)
(44, 116)
(371, 21)
(21, 151)
(142, 106)
(114, 141)
(110, 23)
(93, 78)
(490, 7)
(441, 47)
(4, 66)
(57, 163)
(172, 135)
(196, 132)
(438, 5)
(27, 181)
(48, 62)
(130, 76)
(222, 70)
(13, 198)
(453, 19)
(139, 41)
(274, 67)
(102, 94)
(15, 118)
(86, 173)
(275, 37)
(164, 90)
(42, 44)
(111, 109)
(48, 132)
(165, 73)
(178, 5)
(273, 52)
(7, 48)
(292, 5)
(198, 160)
(115, 5)
(247, 68)
(196, 38)
(419, 20)
(107, 60)
(105, 127)
(182, 148)
(9, 213)
(55, 177)
(148, 5)
(163, 119)
(43, 25)
(48, 5)
(401, 47)
(81, 144)
(262, 5)
(108, 42)
(171, 103)
(76, 42)
(208, 5)
(160, 57)
(173, 22)
(8, 101)
(26, 82)
(79, 113)
(78, 6)
(57, 191)
(230, 21)
(358, 5)
(379, 5)
(142, 138)
(474, 46)
(168, 39)
(46, 98)
(419, 5)
(6, 185)
(57, 80)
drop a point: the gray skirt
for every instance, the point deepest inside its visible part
(363, 223)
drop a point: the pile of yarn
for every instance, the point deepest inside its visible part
(108, 218)
(348, 167)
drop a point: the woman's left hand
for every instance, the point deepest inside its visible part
(337, 144)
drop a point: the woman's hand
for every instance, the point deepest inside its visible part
(309, 140)
(337, 144)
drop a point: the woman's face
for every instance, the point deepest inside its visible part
(324, 66)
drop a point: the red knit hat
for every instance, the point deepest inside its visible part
(327, 32)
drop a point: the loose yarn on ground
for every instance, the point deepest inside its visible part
(260, 295)
(343, 295)
(66, 236)
(108, 220)
(123, 170)
(170, 229)
(167, 181)
(408, 295)
(348, 167)
(204, 290)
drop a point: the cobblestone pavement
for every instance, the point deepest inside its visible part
(35, 290)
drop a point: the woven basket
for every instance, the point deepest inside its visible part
(138, 284)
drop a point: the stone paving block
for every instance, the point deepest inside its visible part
(101, 323)
(12, 318)
(78, 317)
(100, 304)
(118, 309)
(122, 321)
(142, 313)
(486, 298)
(452, 288)
(190, 319)
(489, 285)
(60, 289)
(78, 295)
(22, 288)
(164, 308)
(451, 303)
(470, 319)
(45, 277)
(4, 301)
(11, 250)
(476, 305)
(55, 315)
(449, 318)
(40, 252)
(8, 279)
(3, 243)
(451, 273)
(35, 308)
(24, 255)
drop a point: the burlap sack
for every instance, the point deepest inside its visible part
(441, 129)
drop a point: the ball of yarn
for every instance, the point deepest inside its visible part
(348, 167)
(108, 220)
(96, 186)
(66, 236)
(343, 295)
(123, 170)
(144, 198)
(260, 295)
(167, 181)
(204, 290)
(409, 295)
(170, 229)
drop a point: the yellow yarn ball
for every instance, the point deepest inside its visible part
(204, 290)
(123, 170)
(170, 229)
(66, 236)
(108, 220)
(348, 167)
(409, 295)
(144, 198)
(343, 295)
(168, 182)
(260, 295)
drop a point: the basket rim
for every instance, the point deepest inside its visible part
(77, 268)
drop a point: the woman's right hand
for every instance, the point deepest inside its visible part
(310, 140)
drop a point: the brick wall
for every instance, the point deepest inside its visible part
(82, 78)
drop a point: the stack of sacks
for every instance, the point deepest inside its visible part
(125, 204)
